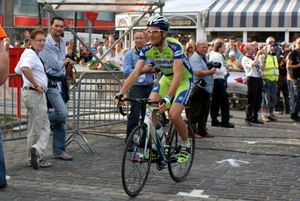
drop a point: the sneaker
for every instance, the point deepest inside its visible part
(272, 117)
(63, 156)
(265, 119)
(34, 158)
(184, 155)
(44, 164)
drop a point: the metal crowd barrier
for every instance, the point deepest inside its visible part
(91, 105)
(91, 102)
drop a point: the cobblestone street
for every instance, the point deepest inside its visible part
(260, 162)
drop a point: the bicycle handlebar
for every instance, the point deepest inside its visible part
(144, 101)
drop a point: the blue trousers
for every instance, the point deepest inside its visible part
(57, 120)
(2, 163)
(137, 91)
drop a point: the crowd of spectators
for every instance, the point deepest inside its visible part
(271, 71)
(278, 99)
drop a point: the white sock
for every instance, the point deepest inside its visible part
(186, 144)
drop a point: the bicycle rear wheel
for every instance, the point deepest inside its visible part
(135, 166)
(179, 171)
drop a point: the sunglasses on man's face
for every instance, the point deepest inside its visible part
(155, 31)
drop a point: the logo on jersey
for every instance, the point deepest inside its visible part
(178, 53)
(164, 63)
(172, 46)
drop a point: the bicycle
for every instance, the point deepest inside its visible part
(139, 151)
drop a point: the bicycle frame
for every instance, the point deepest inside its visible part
(138, 154)
(150, 128)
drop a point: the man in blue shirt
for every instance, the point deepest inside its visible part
(53, 56)
(144, 84)
(199, 100)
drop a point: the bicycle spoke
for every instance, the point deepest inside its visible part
(135, 170)
(179, 171)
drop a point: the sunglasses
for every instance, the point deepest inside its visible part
(155, 31)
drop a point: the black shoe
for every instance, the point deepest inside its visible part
(215, 123)
(248, 123)
(3, 185)
(257, 122)
(227, 125)
(35, 159)
(295, 118)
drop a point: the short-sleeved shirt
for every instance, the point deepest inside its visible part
(164, 61)
(172, 49)
(295, 57)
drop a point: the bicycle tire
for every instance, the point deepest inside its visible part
(179, 171)
(134, 171)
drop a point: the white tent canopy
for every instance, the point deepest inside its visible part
(181, 6)
(104, 6)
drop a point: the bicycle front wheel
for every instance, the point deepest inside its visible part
(179, 171)
(136, 166)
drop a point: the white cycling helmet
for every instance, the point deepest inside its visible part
(158, 21)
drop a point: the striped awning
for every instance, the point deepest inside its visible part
(254, 13)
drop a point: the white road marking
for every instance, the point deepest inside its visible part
(194, 193)
(233, 162)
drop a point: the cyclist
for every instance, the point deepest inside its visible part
(176, 82)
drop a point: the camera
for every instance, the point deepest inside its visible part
(201, 83)
(211, 65)
(52, 84)
(273, 53)
(154, 66)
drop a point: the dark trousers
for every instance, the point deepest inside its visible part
(296, 101)
(197, 112)
(282, 86)
(219, 100)
(136, 110)
(254, 94)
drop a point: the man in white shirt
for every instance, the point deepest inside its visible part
(219, 95)
(34, 97)
(252, 66)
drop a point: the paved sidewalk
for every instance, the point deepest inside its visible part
(264, 165)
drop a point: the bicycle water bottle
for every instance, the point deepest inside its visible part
(160, 132)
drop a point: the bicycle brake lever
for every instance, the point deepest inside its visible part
(121, 111)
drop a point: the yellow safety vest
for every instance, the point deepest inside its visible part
(271, 71)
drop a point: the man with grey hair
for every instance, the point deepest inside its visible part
(199, 100)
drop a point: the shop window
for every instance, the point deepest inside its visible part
(224, 35)
(293, 36)
(262, 36)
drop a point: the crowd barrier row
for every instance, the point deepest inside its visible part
(91, 105)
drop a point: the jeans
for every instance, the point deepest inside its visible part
(291, 91)
(2, 163)
(136, 108)
(57, 120)
(296, 101)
